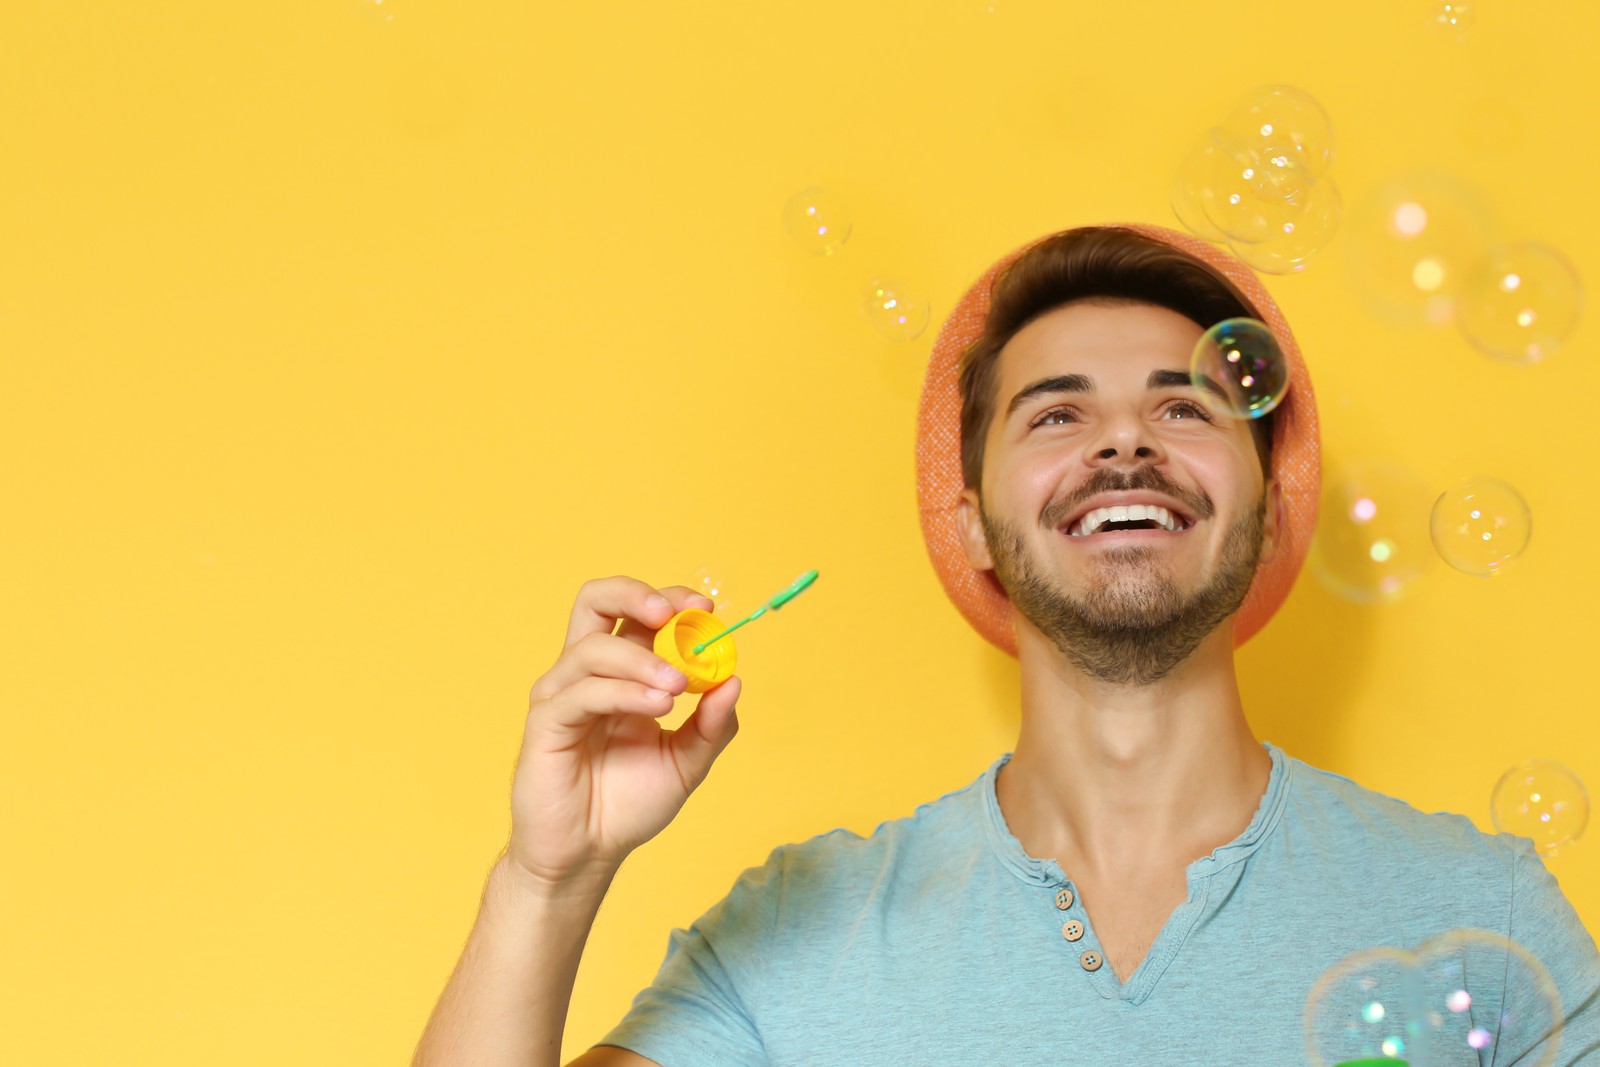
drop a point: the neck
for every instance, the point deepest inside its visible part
(1115, 780)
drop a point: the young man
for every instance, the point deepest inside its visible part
(1141, 881)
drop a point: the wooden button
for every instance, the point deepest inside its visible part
(1072, 930)
(1064, 899)
(1091, 960)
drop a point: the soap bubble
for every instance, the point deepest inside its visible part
(1542, 801)
(1192, 191)
(1458, 994)
(709, 585)
(1254, 181)
(1287, 136)
(379, 11)
(1412, 244)
(1242, 357)
(1236, 204)
(1297, 240)
(894, 311)
(1521, 302)
(1370, 545)
(1369, 1006)
(1480, 526)
(1452, 16)
(1488, 995)
(817, 220)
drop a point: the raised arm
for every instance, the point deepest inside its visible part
(597, 777)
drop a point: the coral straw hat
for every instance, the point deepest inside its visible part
(1295, 453)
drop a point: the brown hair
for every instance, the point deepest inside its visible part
(1092, 264)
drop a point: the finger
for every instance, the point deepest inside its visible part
(605, 656)
(588, 699)
(601, 602)
(702, 737)
(679, 597)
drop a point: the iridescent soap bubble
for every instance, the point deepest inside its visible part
(1368, 1007)
(1486, 994)
(1456, 995)
(1543, 801)
(1241, 357)
(895, 311)
(1521, 302)
(1291, 247)
(1411, 245)
(1452, 17)
(1192, 191)
(1287, 135)
(817, 220)
(1371, 542)
(1480, 526)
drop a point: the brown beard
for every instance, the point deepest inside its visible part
(1134, 628)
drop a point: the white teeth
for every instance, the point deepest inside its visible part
(1128, 513)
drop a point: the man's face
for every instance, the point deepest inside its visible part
(1094, 401)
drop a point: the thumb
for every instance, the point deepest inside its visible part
(706, 732)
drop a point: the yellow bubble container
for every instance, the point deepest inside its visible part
(676, 640)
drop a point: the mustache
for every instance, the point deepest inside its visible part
(1144, 479)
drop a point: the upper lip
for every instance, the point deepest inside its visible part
(1111, 500)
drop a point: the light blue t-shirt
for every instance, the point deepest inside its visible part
(938, 940)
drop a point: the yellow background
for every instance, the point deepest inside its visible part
(337, 354)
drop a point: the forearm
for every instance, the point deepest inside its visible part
(506, 1002)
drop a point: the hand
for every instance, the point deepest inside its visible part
(597, 776)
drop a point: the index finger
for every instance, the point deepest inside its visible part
(601, 602)
(680, 597)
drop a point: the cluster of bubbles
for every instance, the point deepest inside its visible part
(819, 222)
(1380, 526)
(1423, 252)
(1543, 801)
(1464, 995)
(1369, 548)
(1258, 182)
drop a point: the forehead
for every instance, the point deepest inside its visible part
(1117, 346)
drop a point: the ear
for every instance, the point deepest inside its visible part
(1272, 522)
(969, 524)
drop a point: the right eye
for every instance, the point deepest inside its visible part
(1042, 419)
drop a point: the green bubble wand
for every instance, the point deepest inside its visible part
(799, 586)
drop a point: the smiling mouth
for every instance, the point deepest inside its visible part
(1136, 522)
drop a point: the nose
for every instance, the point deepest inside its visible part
(1125, 440)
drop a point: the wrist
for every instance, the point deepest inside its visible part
(585, 886)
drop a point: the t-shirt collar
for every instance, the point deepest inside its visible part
(1047, 872)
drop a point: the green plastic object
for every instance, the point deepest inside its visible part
(1378, 1061)
(798, 586)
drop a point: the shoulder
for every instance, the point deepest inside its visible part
(841, 865)
(1360, 819)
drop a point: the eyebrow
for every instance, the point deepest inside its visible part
(1082, 383)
